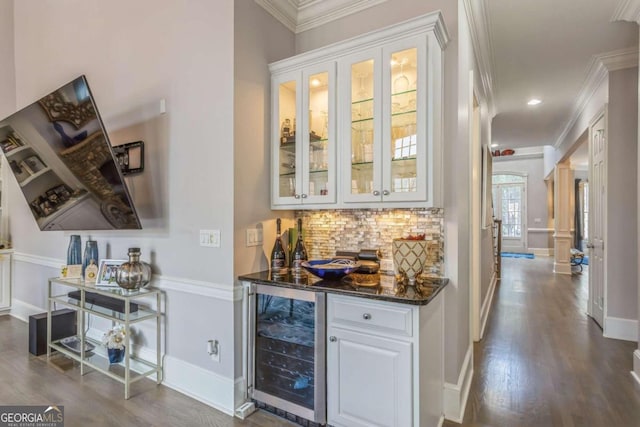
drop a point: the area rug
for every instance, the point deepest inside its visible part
(515, 255)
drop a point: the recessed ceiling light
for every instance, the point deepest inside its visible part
(315, 82)
(534, 101)
(494, 145)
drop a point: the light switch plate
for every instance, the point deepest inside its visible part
(254, 237)
(210, 238)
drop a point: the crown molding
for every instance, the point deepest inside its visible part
(627, 10)
(303, 15)
(283, 11)
(598, 69)
(479, 26)
(432, 22)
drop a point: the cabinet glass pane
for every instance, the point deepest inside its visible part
(287, 120)
(362, 101)
(403, 120)
(318, 134)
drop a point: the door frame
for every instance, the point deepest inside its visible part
(525, 207)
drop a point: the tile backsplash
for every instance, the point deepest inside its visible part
(355, 229)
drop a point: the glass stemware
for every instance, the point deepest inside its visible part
(401, 83)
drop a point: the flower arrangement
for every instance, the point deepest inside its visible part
(114, 337)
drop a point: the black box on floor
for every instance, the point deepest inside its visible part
(63, 324)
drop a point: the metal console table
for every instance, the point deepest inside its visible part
(132, 368)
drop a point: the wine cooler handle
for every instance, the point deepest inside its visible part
(366, 316)
(333, 339)
(376, 193)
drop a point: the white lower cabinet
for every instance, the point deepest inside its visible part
(381, 376)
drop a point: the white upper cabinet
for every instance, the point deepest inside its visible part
(368, 134)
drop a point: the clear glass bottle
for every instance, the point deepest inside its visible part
(299, 252)
(278, 255)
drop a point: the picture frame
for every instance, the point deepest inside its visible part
(32, 164)
(107, 272)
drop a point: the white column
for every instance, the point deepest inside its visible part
(562, 224)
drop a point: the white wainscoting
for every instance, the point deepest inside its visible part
(487, 303)
(201, 384)
(456, 395)
(621, 329)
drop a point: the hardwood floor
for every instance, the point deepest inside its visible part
(543, 362)
(96, 400)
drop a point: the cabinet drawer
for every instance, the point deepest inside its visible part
(378, 317)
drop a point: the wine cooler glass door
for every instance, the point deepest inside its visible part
(288, 351)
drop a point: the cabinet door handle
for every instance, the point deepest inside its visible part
(366, 316)
(386, 193)
(376, 193)
(333, 339)
(304, 196)
(297, 196)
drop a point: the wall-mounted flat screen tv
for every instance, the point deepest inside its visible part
(61, 156)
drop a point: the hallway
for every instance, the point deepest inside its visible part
(543, 362)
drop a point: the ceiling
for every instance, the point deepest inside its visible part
(545, 49)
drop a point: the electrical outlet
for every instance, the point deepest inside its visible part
(213, 348)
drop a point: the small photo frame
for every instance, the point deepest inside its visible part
(107, 271)
(32, 164)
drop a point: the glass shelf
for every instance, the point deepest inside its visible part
(404, 93)
(137, 316)
(369, 119)
(363, 101)
(97, 358)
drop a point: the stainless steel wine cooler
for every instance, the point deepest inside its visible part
(287, 361)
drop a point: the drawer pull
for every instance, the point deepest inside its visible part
(366, 316)
(333, 339)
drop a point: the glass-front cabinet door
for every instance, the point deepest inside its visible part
(304, 142)
(385, 144)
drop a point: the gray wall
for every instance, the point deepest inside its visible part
(8, 80)
(622, 212)
(536, 197)
(134, 55)
(259, 39)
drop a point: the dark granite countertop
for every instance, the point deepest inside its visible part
(386, 290)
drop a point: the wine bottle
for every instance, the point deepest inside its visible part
(278, 256)
(299, 252)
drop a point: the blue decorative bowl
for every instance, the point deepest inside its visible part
(330, 269)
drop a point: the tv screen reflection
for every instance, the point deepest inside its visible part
(61, 157)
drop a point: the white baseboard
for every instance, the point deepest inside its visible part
(620, 329)
(542, 251)
(22, 310)
(205, 386)
(487, 303)
(636, 366)
(456, 395)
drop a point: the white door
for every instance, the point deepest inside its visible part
(597, 200)
(368, 380)
(509, 205)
